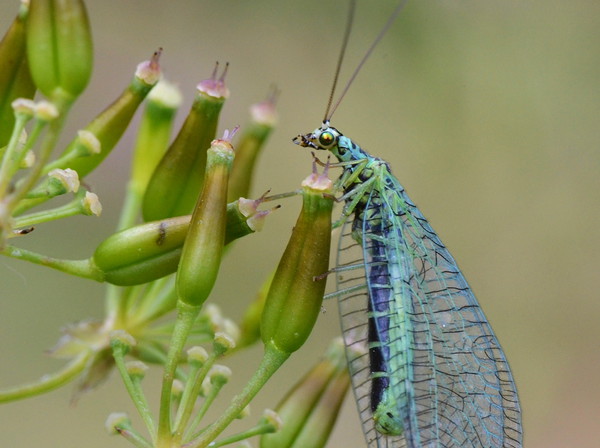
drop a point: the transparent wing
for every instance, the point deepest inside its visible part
(450, 378)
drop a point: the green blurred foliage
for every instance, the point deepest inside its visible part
(487, 112)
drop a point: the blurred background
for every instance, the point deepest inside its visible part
(488, 113)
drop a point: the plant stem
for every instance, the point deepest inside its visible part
(186, 315)
(257, 430)
(271, 361)
(190, 394)
(47, 382)
(135, 392)
(159, 299)
(12, 156)
(131, 208)
(47, 145)
(80, 268)
(71, 209)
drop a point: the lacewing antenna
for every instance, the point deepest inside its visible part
(330, 111)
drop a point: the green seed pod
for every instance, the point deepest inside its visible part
(310, 408)
(111, 123)
(175, 184)
(263, 120)
(203, 246)
(15, 79)
(294, 300)
(142, 253)
(59, 48)
(150, 251)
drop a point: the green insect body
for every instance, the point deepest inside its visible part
(431, 372)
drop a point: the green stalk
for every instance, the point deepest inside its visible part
(186, 315)
(208, 401)
(47, 146)
(188, 400)
(47, 382)
(71, 209)
(255, 431)
(159, 299)
(134, 389)
(136, 440)
(272, 360)
(80, 268)
(11, 159)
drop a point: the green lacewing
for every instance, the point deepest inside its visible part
(427, 369)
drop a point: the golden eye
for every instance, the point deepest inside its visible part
(326, 138)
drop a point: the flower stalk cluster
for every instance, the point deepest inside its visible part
(186, 201)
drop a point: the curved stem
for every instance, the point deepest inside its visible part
(80, 268)
(47, 382)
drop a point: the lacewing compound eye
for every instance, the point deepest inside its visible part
(326, 139)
